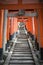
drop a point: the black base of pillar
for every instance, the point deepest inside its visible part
(41, 53)
(7, 44)
(36, 44)
(1, 51)
(11, 36)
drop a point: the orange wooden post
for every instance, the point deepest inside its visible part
(29, 24)
(11, 28)
(40, 13)
(33, 26)
(1, 32)
(8, 32)
(15, 25)
(36, 26)
(8, 29)
(36, 32)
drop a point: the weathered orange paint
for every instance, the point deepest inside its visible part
(40, 11)
(1, 26)
(15, 24)
(8, 28)
(11, 26)
(29, 24)
(36, 26)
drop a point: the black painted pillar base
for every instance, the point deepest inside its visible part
(11, 36)
(37, 44)
(1, 56)
(1, 51)
(41, 54)
(7, 44)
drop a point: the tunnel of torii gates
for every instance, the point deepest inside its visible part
(9, 27)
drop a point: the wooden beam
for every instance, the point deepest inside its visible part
(21, 6)
(19, 1)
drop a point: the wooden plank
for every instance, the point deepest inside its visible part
(21, 6)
